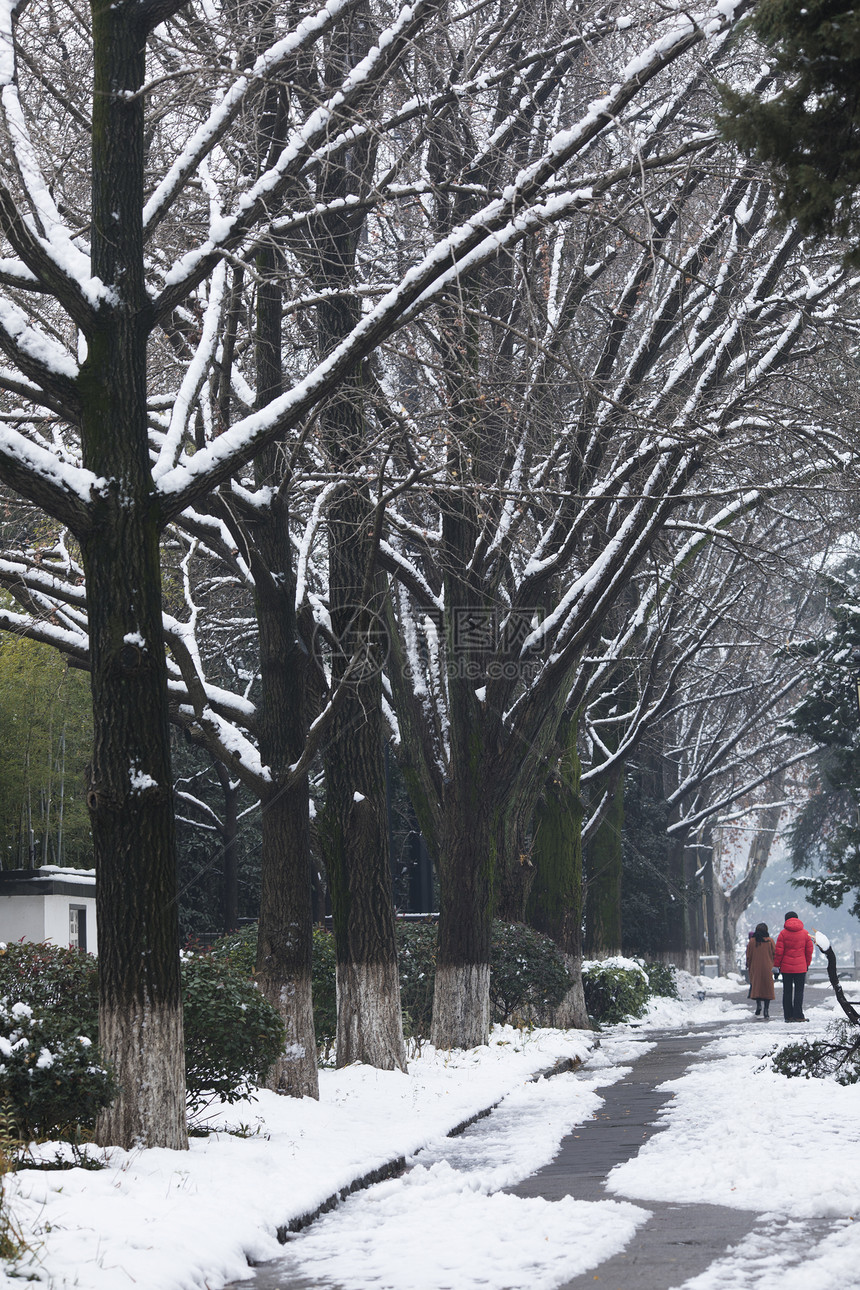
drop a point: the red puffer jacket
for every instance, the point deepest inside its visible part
(793, 947)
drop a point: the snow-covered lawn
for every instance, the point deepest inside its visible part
(191, 1221)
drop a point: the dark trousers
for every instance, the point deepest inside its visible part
(792, 994)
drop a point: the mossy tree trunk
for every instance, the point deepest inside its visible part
(461, 996)
(603, 866)
(555, 901)
(284, 941)
(355, 827)
(680, 948)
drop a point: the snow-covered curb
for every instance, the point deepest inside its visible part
(177, 1220)
(194, 1220)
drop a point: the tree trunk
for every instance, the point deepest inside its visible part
(461, 998)
(355, 832)
(285, 932)
(555, 901)
(355, 828)
(729, 908)
(230, 849)
(680, 949)
(603, 882)
(284, 937)
(130, 801)
(516, 874)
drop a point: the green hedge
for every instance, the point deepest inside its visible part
(662, 978)
(615, 990)
(528, 978)
(232, 1033)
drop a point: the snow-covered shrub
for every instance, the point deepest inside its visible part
(55, 981)
(528, 976)
(615, 990)
(662, 978)
(52, 1081)
(232, 1033)
(835, 1057)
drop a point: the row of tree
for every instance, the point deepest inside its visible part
(426, 373)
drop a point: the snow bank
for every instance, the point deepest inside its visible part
(176, 1220)
(740, 1135)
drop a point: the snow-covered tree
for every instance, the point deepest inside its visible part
(127, 396)
(585, 392)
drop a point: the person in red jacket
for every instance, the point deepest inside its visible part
(792, 957)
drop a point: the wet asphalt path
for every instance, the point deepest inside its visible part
(675, 1244)
(678, 1241)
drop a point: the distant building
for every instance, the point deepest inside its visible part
(49, 904)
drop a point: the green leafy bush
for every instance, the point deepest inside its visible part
(835, 1057)
(50, 980)
(615, 990)
(323, 978)
(662, 978)
(527, 974)
(416, 962)
(239, 950)
(51, 1080)
(232, 1033)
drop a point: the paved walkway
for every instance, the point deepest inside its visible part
(677, 1242)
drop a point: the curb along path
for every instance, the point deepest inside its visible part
(676, 1243)
(278, 1276)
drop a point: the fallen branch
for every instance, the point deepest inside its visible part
(845, 1004)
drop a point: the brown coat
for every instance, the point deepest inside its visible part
(760, 968)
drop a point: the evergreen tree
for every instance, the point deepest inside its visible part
(809, 131)
(825, 837)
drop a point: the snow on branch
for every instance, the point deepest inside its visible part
(228, 231)
(224, 112)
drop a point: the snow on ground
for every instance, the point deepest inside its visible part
(176, 1220)
(737, 1134)
(746, 1137)
(742, 1136)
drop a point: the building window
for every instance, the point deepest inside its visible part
(78, 927)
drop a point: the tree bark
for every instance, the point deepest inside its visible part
(130, 799)
(229, 842)
(555, 901)
(355, 830)
(603, 882)
(729, 907)
(285, 932)
(461, 997)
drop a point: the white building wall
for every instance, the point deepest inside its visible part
(57, 920)
(22, 918)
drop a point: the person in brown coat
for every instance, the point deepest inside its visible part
(760, 951)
